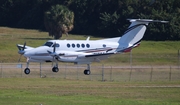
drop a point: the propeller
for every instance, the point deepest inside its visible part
(21, 50)
(53, 54)
(54, 49)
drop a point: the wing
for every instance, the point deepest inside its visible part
(80, 57)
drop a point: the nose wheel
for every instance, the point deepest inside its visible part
(27, 71)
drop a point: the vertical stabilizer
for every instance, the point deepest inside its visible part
(135, 32)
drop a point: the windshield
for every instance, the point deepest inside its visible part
(56, 45)
(49, 44)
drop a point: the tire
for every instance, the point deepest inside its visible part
(87, 72)
(55, 69)
(27, 71)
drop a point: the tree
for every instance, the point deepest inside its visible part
(58, 20)
(110, 23)
(102, 18)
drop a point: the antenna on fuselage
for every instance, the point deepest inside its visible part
(88, 38)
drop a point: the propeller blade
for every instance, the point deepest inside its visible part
(24, 46)
(54, 49)
(54, 54)
(49, 52)
(19, 48)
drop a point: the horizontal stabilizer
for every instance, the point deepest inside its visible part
(147, 20)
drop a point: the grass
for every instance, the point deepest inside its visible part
(46, 91)
(9, 37)
(55, 91)
(148, 53)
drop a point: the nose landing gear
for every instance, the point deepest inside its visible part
(27, 71)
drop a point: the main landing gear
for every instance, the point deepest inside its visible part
(55, 69)
(87, 71)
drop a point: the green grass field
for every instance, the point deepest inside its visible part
(53, 91)
(148, 53)
(56, 91)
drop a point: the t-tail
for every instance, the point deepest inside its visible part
(135, 32)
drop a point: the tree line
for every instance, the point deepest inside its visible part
(102, 18)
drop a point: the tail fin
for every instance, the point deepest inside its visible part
(135, 32)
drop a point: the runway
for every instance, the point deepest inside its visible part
(98, 72)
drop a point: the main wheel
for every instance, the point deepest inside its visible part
(55, 69)
(27, 71)
(87, 72)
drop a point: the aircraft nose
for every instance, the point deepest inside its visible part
(28, 54)
(36, 52)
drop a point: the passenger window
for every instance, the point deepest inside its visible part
(78, 45)
(104, 45)
(68, 45)
(73, 45)
(87, 45)
(82, 45)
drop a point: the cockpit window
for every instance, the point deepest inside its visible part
(56, 45)
(49, 44)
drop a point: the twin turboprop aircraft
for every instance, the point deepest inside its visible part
(85, 51)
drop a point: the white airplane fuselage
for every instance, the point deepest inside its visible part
(86, 51)
(73, 51)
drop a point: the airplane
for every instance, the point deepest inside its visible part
(85, 51)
